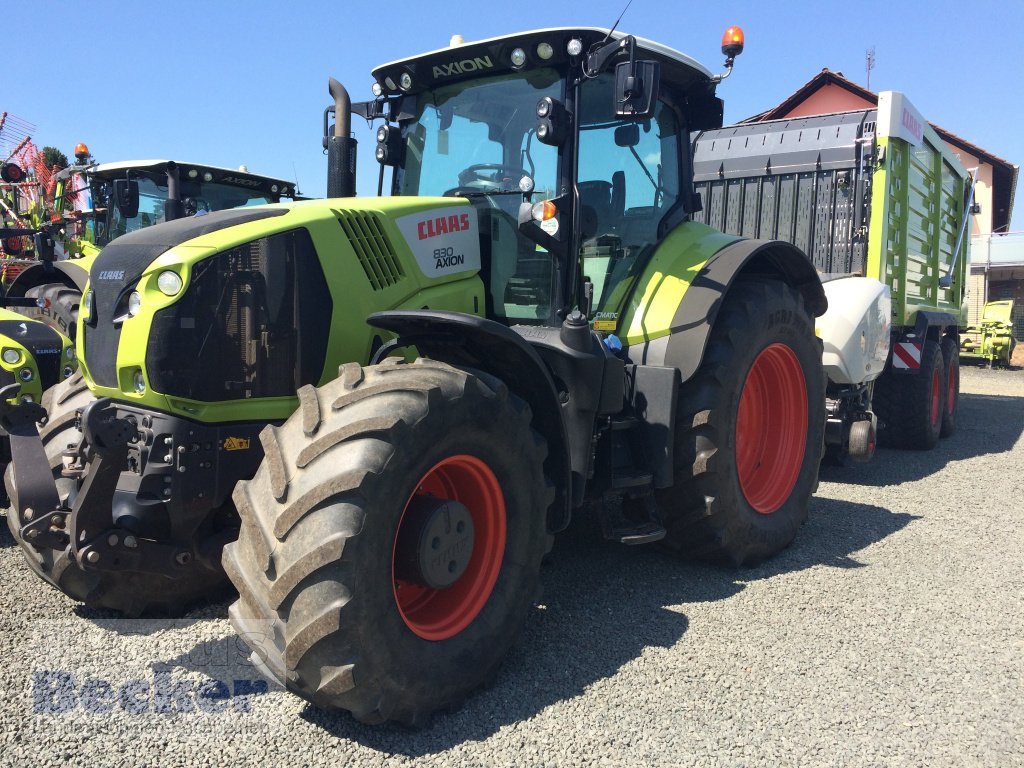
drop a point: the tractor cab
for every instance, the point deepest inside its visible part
(131, 195)
(572, 144)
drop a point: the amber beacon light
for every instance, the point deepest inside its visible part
(732, 42)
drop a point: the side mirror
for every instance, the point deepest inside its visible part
(126, 197)
(552, 122)
(636, 89)
(627, 135)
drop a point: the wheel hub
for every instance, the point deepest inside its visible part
(435, 544)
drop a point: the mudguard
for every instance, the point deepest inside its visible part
(73, 273)
(682, 344)
(462, 339)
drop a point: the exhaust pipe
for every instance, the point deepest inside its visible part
(341, 147)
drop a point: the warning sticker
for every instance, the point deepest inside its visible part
(445, 241)
(236, 444)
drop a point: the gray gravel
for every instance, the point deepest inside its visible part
(891, 633)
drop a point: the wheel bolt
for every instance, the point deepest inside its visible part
(112, 540)
(93, 556)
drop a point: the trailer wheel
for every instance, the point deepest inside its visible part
(60, 310)
(912, 404)
(392, 539)
(749, 431)
(951, 363)
(128, 593)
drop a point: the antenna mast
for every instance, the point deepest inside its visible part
(869, 64)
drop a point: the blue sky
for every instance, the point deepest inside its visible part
(228, 83)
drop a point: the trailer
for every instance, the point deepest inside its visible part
(873, 193)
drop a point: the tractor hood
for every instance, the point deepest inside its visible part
(216, 317)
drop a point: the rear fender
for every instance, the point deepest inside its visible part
(683, 345)
(467, 340)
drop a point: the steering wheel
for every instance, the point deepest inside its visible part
(474, 174)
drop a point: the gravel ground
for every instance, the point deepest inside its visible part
(891, 633)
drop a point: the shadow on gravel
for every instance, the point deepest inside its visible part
(986, 424)
(604, 605)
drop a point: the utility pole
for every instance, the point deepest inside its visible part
(869, 55)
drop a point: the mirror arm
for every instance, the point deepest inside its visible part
(598, 60)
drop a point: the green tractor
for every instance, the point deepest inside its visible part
(126, 196)
(992, 340)
(387, 407)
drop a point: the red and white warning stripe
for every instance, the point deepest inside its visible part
(906, 355)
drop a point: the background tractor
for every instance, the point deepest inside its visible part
(992, 340)
(92, 204)
(577, 336)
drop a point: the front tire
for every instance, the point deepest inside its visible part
(328, 600)
(60, 310)
(749, 430)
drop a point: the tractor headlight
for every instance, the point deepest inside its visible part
(69, 353)
(140, 382)
(25, 374)
(68, 370)
(134, 303)
(10, 355)
(27, 398)
(518, 58)
(87, 305)
(405, 81)
(168, 282)
(545, 51)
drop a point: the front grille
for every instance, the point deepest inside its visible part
(113, 277)
(253, 322)
(373, 248)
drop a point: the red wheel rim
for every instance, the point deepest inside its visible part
(936, 396)
(951, 390)
(439, 614)
(771, 428)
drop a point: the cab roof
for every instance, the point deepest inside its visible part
(491, 56)
(220, 174)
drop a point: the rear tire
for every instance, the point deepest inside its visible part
(322, 599)
(951, 361)
(912, 404)
(126, 592)
(61, 310)
(749, 430)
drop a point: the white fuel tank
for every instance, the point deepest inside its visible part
(855, 329)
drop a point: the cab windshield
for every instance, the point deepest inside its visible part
(198, 198)
(478, 137)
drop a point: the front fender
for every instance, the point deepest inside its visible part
(467, 340)
(73, 273)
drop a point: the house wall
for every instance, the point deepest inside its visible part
(828, 99)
